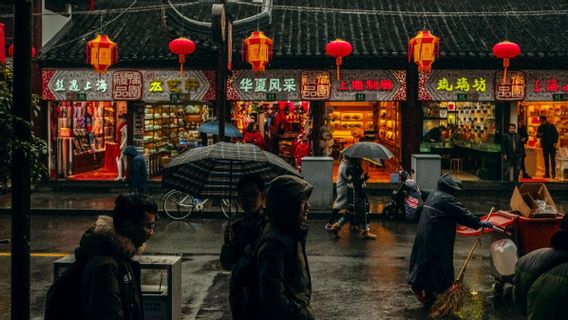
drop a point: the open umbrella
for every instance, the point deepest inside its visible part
(212, 127)
(213, 171)
(369, 150)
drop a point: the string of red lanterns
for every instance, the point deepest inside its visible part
(2, 45)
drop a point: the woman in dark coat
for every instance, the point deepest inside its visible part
(432, 260)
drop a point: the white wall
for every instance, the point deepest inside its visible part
(51, 24)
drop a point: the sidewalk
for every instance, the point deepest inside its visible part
(100, 200)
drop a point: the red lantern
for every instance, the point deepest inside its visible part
(101, 53)
(2, 45)
(506, 50)
(257, 50)
(11, 51)
(182, 46)
(424, 48)
(338, 49)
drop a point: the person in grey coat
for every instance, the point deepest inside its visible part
(342, 192)
(431, 269)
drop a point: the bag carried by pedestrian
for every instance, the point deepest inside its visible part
(245, 301)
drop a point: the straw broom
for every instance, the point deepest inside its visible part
(451, 300)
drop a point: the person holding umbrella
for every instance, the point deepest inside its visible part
(431, 269)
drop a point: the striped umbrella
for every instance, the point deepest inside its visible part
(213, 171)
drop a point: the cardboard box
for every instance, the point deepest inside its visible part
(524, 199)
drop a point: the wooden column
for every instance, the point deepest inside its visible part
(411, 117)
(317, 110)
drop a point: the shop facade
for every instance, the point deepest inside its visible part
(287, 105)
(87, 111)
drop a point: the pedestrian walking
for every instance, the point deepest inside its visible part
(342, 192)
(121, 140)
(110, 287)
(243, 233)
(285, 284)
(358, 201)
(548, 139)
(137, 177)
(513, 152)
(431, 269)
(524, 139)
(540, 286)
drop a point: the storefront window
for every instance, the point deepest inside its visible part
(463, 133)
(529, 118)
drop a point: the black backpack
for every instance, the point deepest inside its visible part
(64, 295)
(245, 302)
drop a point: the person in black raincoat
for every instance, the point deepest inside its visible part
(137, 173)
(431, 269)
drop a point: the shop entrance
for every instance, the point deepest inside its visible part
(351, 122)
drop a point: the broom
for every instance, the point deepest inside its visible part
(451, 300)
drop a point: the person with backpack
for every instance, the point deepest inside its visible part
(137, 173)
(285, 284)
(104, 281)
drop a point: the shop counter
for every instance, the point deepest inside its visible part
(482, 160)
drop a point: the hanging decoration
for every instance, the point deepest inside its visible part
(425, 49)
(101, 53)
(257, 50)
(182, 47)
(338, 49)
(506, 50)
(11, 51)
(2, 45)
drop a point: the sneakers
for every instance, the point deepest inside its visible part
(367, 235)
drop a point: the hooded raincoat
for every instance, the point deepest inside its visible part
(137, 175)
(432, 260)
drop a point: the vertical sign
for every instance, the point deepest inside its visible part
(513, 89)
(315, 85)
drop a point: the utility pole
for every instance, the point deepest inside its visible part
(22, 92)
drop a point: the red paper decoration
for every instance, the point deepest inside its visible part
(338, 49)
(102, 53)
(506, 50)
(424, 48)
(11, 51)
(2, 45)
(182, 46)
(257, 50)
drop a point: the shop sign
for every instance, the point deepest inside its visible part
(514, 87)
(61, 84)
(280, 84)
(369, 85)
(127, 85)
(546, 85)
(453, 85)
(316, 85)
(165, 85)
(559, 97)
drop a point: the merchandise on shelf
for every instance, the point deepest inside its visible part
(556, 113)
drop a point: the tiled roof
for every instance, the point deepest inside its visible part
(301, 28)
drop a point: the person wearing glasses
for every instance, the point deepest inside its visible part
(110, 287)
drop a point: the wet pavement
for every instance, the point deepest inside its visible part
(352, 278)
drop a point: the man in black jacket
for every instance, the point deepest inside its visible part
(524, 139)
(548, 139)
(431, 269)
(111, 280)
(513, 150)
(285, 284)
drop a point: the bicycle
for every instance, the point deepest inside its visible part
(179, 205)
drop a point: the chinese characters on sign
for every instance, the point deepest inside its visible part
(370, 85)
(62, 84)
(127, 85)
(545, 85)
(270, 85)
(316, 85)
(513, 89)
(162, 85)
(267, 85)
(454, 85)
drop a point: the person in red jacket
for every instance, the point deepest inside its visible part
(301, 149)
(252, 135)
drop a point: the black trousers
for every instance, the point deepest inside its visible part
(549, 153)
(514, 163)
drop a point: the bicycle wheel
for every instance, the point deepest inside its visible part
(224, 205)
(178, 205)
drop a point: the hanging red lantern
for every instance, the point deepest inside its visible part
(11, 51)
(257, 50)
(506, 50)
(338, 49)
(182, 46)
(101, 53)
(2, 45)
(424, 48)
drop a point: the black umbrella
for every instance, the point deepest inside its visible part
(368, 150)
(213, 171)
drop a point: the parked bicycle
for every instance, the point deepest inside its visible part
(179, 205)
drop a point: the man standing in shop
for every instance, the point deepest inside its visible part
(548, 139)
(512, 147)
(524, 139)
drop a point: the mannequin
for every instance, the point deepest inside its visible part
(122, 137)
